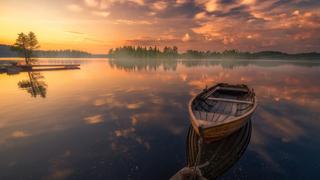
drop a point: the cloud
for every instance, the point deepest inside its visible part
(248, 25)
(186, 37)
(152, 42)
(74, 8)
(93, 40)
(75, 32)
(139, 2)
(91, 3)
(296, 13)
(104, 4)
(248, 2)
(133, 22)
(200, 15)
(159, 5)
(101, 13)
(181, 2)
(211, 5)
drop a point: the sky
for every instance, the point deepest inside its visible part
(97, 25)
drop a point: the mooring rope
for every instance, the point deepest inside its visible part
(197, 164)
(197, 161)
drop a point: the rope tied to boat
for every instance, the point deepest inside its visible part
(197, 161)
(197, 164)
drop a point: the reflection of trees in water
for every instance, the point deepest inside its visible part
(171, 64)
(226, 64)
(233, 63)
(219, 156)
(34, 85)
(143, 64)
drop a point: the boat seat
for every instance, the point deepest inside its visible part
(230, 100)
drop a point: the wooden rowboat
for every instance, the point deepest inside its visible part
(221, 110)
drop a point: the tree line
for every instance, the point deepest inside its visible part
(172, 52)
(144, 52)
(235, 54)
(62, 53)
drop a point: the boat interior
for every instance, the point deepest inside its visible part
(223, 103)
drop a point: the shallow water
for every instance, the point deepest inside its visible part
(128, 119)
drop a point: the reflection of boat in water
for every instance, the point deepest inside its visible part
(215, 157)
(221, 110)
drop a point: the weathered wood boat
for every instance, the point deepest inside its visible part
(221, 110)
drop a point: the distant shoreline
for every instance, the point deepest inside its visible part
(133, 52)
(254, 56)
(6, 52)
(172, 53)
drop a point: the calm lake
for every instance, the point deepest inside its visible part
(128, 119)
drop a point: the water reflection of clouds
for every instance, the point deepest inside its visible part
(135, 105)
(279, 87)
(20, 134)
(96, 119)
(139, 111)
(128, 134)
(284, 126)
(136, 109)
(287, 94)
(59, 167)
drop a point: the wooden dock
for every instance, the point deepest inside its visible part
(14, 69)
(44, 67)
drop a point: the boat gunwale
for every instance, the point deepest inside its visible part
(195, 121)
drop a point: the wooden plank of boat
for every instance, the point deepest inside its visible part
(232, 89)
(230, 100)
(234, 105)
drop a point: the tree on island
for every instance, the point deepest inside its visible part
(25, 45)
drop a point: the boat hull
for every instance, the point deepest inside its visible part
(215, 133)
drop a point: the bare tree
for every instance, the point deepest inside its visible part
(25, 45)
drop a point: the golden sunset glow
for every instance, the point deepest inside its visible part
(98, 25)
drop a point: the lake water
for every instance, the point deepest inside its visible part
(128, 119)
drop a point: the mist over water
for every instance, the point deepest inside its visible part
(128, 119)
